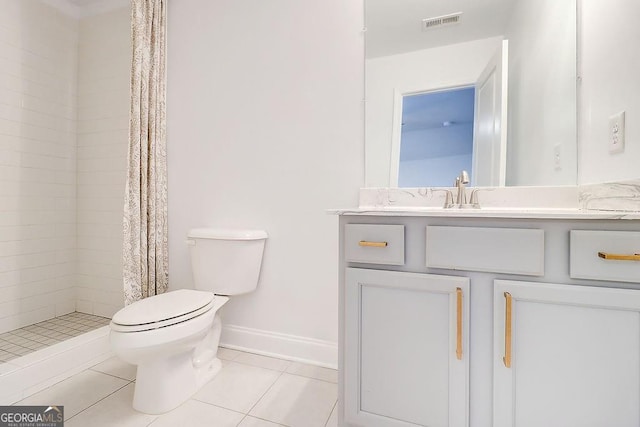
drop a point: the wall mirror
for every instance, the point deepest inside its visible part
(514, 61)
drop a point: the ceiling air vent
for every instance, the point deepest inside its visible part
(440, 21)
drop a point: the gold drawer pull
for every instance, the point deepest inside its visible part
(372, 244)
(459, 324)
(507, 331)
(619, 257)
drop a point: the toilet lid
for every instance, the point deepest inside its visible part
(176, 305)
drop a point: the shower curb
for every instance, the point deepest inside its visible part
(29, 374)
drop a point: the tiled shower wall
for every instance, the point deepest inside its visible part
(63, 140)
(38, 66)
(103, 123)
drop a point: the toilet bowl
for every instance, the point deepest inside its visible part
(173, 337)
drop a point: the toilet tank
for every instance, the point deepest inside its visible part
(226, 261)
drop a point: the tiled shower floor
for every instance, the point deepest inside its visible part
(26, 340)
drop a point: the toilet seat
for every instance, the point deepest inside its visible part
(162, 310)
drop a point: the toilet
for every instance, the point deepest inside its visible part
(173, 337)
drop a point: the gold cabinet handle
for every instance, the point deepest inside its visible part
(619, 257)
(459, 323)
(507, 331)
(372, 244)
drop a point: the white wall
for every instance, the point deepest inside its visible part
(447, 66)
(64, 91)
(38, 49)
(264, 127)
(542, 93)
(610, 66)
(103, 121)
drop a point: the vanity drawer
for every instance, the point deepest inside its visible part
(374, 244)
(498, 250)
(585, 263)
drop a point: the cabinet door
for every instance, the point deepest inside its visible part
(566, 356)
(406, 343)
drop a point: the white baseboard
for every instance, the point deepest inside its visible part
(284, 346)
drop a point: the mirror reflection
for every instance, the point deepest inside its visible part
(436, 137)
(517, 61)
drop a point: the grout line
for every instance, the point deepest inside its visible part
(330, 413)
(232, 359)
(257, 401)
(277, 370)
(111, 375)
(94, 404)
(45, 329)
(265, 393)
(264, 419)
(272, 422)
(311, 378)
(213, 404)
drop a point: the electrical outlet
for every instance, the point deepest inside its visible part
(616, 133)
(557, 157)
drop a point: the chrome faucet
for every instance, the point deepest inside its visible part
(461, 182)
(448, 197)
(473, 201)
(461, 201)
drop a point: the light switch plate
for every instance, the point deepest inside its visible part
(616, 133)
(557, 157)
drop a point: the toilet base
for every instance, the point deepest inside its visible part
(164, 384)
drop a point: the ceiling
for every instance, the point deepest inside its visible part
(437, 109)
(437, 124)
(395, 26)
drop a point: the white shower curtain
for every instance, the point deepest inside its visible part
(145, 251)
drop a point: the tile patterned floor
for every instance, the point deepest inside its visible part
(249, 391)
(26, 340)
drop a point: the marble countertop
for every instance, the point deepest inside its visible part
(618, 200)
(527, 213)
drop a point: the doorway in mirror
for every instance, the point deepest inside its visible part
(440, 131)
(436, 137)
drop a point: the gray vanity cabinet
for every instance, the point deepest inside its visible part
(426, 335)
(405, 353)
(565, 355)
